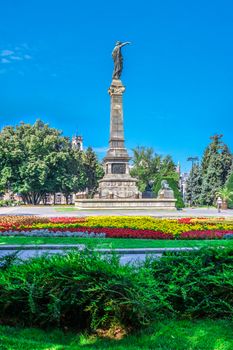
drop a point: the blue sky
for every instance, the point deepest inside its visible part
(55, 64)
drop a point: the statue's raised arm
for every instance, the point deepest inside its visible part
(118, 59)
(126, 43)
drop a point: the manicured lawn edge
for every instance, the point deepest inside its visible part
(114, 243)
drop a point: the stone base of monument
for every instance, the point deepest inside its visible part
(142, 203)
(117, 186)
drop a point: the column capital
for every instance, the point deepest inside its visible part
(116, 88)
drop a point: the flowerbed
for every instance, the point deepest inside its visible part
(117, 227)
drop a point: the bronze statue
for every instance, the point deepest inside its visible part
(118, 59)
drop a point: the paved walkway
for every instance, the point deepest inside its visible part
(126, 255)
(124, 258)
(71, 211)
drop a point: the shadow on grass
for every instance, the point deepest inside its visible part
(167, 335)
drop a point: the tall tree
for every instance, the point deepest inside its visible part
(72, 177)
(216, 166)
(34, 160)
(149, 167)
(229, 185)
(193, 186)
(93, 171)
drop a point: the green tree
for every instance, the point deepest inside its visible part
(229, 185)
(193, 186)
(226, 194)
(36, 159)
(149, 167)
(93, 171)
(216, 166)
(72, 177)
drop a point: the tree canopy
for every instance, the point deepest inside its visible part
(37, 159)
(216, 166)
(149, 167)
(206, 180)
(194, 185)
(229, 185)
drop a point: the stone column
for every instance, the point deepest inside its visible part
(117, 182)
(116, 91)
(116, 141)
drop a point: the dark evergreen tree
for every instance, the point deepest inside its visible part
(227, 161)
(194, 183)
(216, 167)
(229, 186)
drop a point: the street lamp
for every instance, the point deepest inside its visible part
(192, 160)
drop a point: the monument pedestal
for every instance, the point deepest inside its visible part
(156, 204)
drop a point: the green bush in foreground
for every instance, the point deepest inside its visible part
(197, 283)
(86, 292)
(79, 290)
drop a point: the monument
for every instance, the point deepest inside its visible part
(118, 189)
(117, 182)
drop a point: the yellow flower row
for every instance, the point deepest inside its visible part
(156, 224)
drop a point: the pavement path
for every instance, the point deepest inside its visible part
(71, 211)
(126, 255)
(26, 254)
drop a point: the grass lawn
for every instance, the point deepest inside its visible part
(167, 335)
(61, 209)
(116, 242)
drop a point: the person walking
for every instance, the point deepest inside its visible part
(219, 204)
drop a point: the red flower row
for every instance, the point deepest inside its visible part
(66, 220)
(207, 234)
(194, 220)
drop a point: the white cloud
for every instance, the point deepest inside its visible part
(19, 53)
(5, 60)
(27, 57)
(25, 46)
(5, 53)
(16, 58)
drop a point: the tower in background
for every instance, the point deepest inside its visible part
(77, 142)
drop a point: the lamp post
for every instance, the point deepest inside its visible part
(192, 160)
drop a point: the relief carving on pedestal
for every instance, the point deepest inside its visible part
(117, 90)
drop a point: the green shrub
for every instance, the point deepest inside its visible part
(198, 283)
(80, 290)
(9, 202)
(86, 291)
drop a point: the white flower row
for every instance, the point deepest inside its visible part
(47, 233)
